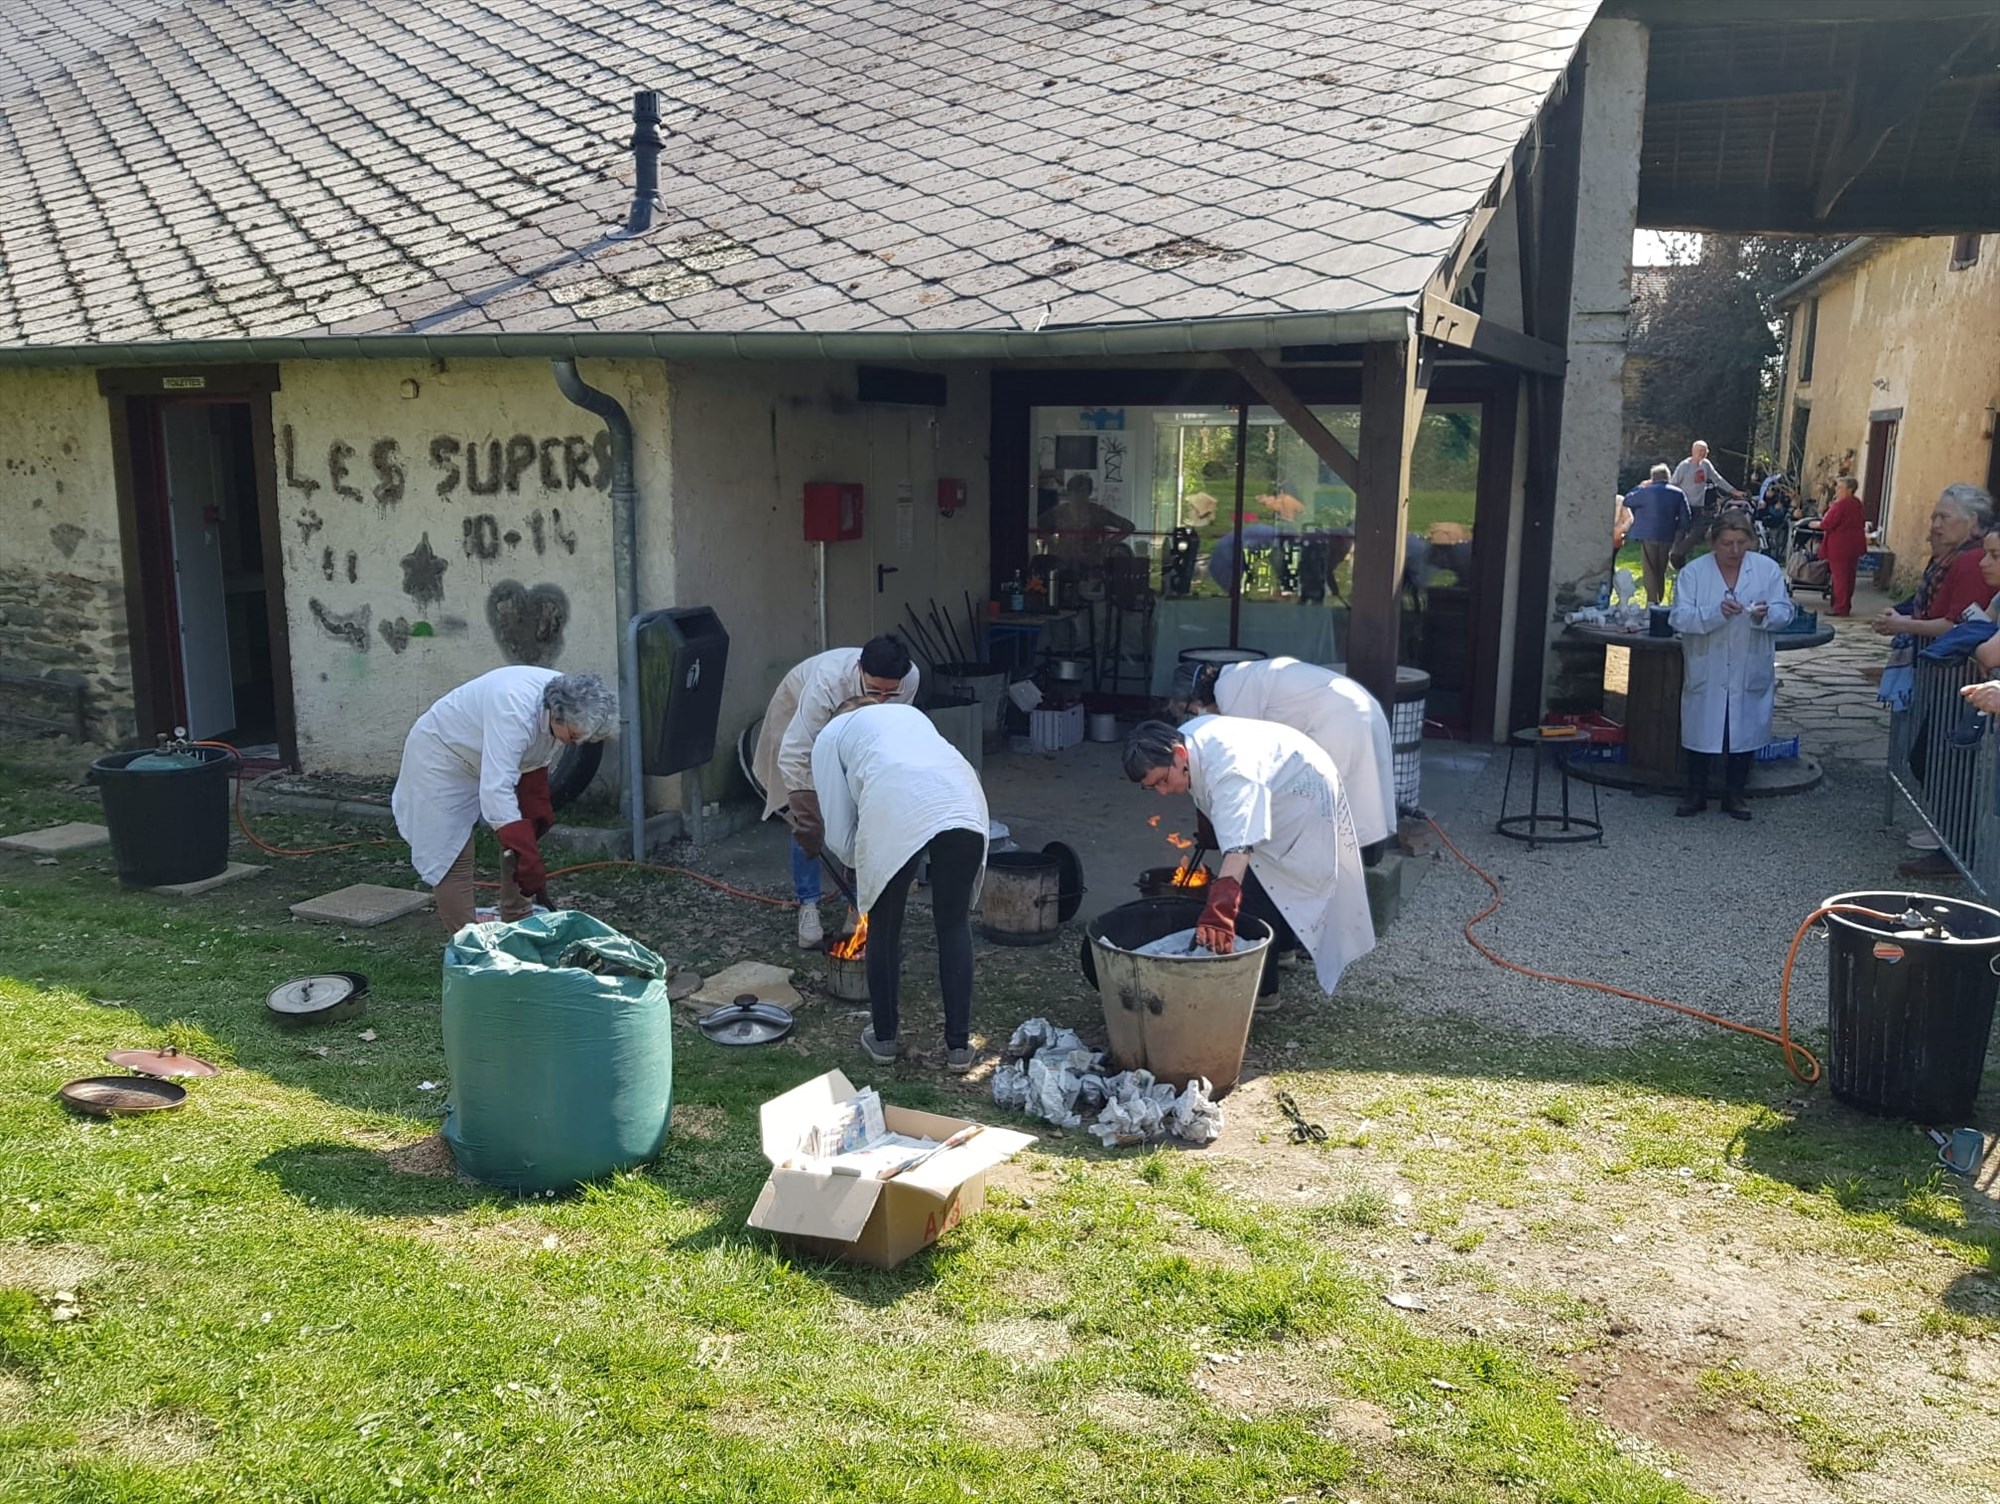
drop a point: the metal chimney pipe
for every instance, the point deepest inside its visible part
(646, 145)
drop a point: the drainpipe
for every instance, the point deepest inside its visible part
(625, 576)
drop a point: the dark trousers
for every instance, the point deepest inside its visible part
(1735, 767)
(1259, 905)
(956, 856)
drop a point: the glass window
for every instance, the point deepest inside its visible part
(1168, 478)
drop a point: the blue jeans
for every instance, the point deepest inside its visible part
(805, 875)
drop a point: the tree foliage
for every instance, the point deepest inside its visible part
(1705, 348)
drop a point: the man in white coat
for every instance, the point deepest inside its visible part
(1341, 717)
(1728, 606)
(483, 753)
(891, 789)
(1290, 857)
(805, 701)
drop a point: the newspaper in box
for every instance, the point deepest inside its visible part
(856, 1178)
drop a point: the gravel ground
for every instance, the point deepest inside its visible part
(1699, 911)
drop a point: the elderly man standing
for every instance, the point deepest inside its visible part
(1290, 857)
(1697, 477)
(807, 698)
(483, 753)
(1660, 514)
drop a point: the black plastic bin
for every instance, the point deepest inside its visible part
(168, 825)
(1909, 1008)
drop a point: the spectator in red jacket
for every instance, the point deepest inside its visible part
(1844, 539)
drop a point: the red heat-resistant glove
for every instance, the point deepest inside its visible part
(1216, 928)
(530, 876)
(808, 828)
(532, 794)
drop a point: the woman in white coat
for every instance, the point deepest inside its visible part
(891, 790)
(483, 753)
(1727, 606)
(1336, 712)
(1290, 857)
(805, 701)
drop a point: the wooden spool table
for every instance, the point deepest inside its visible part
(1653, 717)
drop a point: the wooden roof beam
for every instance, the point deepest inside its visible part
(1894, 98)
(1447, 323)
(1269, 385)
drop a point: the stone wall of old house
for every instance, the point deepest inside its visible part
(1902, 332)
(62, 592)
(441, 519)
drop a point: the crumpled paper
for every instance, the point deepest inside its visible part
(1050, 1073)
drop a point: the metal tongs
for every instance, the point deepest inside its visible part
(1194, 862)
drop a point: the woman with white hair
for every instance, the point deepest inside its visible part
(1952, 589)
(483, 753)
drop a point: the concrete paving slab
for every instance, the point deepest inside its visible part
(362, 905)
(771, 983)
(58, 840)
(228, 874)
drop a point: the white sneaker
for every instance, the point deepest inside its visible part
(810, 933)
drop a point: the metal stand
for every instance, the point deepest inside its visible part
(1533, 826)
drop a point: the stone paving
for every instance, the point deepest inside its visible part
(1828, 693)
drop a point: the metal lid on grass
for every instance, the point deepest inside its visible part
(165, 1064)
(325, 998)
(120, 1096)
(748, 1020)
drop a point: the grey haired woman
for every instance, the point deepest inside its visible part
(483, 753)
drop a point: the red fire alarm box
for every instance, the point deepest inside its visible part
(951, 495)
(833, 512)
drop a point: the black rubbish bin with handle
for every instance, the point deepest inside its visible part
(1910, 1003)
(167, 812)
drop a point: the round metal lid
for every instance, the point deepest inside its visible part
(748, 1020)
(314, 994)
(120, 1096)
(1069, 877)
(163, 1063)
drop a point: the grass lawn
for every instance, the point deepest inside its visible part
(274, 1294)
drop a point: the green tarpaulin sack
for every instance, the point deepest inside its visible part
(558, 1040)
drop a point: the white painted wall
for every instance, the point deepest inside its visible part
(381, 461)
(1614, 97)
(746, 440)
(62, 602)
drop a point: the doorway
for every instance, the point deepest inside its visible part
(204, 583)
(1878, 486)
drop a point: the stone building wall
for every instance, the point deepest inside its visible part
(62, 592)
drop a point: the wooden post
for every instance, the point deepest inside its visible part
(1236, 581)
(1389, 410)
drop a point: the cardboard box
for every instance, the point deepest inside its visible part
(874, 1222)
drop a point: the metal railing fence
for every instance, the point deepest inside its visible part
(1944, 759)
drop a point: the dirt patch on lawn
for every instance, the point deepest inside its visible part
(150, 1438)
(1023, 1339)
(46, 1268)
(429, 1156)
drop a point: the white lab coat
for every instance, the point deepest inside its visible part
(1272, 789)
(1338, 714)
(887, 782)
(804, 702)
(462, 759)
(1729, 662)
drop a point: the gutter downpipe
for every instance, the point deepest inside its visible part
(625, 574)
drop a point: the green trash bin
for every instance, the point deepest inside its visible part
(558, 1042)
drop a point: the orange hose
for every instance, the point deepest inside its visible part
(1794, 1052)
(262, 845)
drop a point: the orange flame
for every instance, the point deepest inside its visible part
(1178, 841)
(852, 947)
(1154, 822)
(1186, 876)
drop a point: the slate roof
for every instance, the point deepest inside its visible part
(272, 170)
